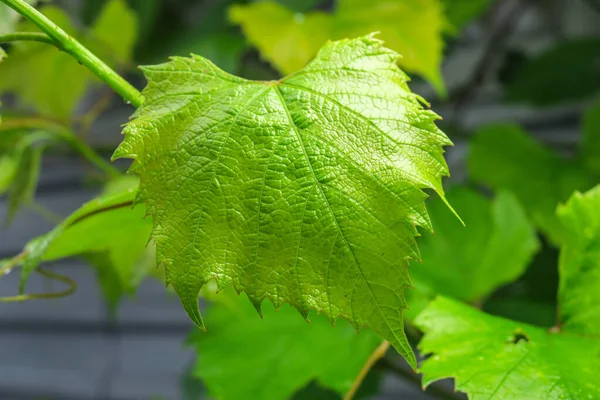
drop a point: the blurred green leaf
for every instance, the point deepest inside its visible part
(36, 72)
(286, 39)
(491, 357)
(570, 71)
(505, 157)
(413, 28)
(20, 161)
(271, 358)
(461, 12)
(105, 231)
(289, 40)
(468, 263)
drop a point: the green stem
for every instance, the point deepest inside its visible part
(71, 46)
(27, 37)
(65, 134)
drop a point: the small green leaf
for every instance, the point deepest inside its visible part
(305, 190)
(505, 157)
(564, 73)
(114, 33)
(496, 358)
(468, 263)
(579, 265)
(270, 359)
(105, 231)
(287, 39)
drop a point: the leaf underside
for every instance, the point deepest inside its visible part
(305, 190)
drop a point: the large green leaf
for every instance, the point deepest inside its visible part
(305, 190)
(285, 38)
(579, 265)
(492, 357)
(108, 233)
(274, 357)
(496, 358)
(505, 157)
(37, 73)
(289, 40)
(566, 72)
(469, 263)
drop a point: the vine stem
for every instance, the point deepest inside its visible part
(27, 37)
(375, 356)
(71, 46)
(51, 275)
(65, 134)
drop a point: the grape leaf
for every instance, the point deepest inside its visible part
(20, 158)
(543, 81)
(413, 28)
(505, 157)
(579, 264)
(491, 357)
(108, 233)
(286, 39)
(36, 72)
(469, 263)
(305, 190)
(290, 40)
(278, 355)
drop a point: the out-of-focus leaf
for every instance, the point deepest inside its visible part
(496, 358)
(20, 160)
(469, 262)
(505, 157)
(114, 33)
(286, 39)
(590, 146)
(271, 358)
(289, 40)
(566, 72)
(492, 357)
(413, 28)
(301, 6)
(53, 81)
(105, 231)
(461, 12)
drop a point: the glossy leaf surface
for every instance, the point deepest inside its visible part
(304, 191)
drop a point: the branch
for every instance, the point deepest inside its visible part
(376, 356)
(71, 46)
(26, 37)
